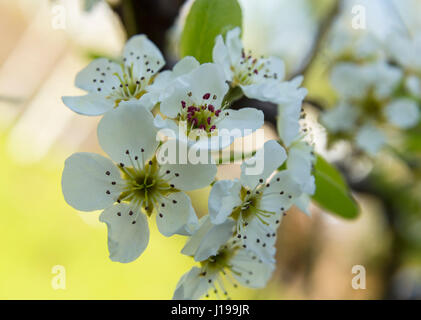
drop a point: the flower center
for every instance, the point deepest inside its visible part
(221, 260)
(203, 118)
(218, 267)
(131, 86)
(249, 70)
(144, 185)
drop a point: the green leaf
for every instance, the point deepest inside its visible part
(332, 192)
(206, 20)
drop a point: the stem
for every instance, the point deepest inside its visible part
(233, 95)
(318, 41)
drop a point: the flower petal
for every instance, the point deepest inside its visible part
(341, 118)
(129, 127)
(281, 192)
(300, 163)
(144, 55)
(128, 232)
(98, 76)
(266, 160)
(208, 78)
(171, 101)
(221, 57)
(245, 121)
(257, 273)
(176, 215)
(191, 285)
(208, 239)
(87, 181)
(260, 238)
(187, 176)
(185, 66)
(224, 196)
(289, 110)
(403, 113)
(413, 84)
(89, 105)
(164, 81)
(370, 139)
(234, 45)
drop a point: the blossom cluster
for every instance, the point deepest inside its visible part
(146, 112)
(377, 79)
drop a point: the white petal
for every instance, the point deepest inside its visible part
(263, 91)
(87, 181)
(387, 79)
(260, 238)
(276, 66)
(258, 273)
(222, 58)
(370, 139)
(191, 285)
(129, 127)
(262, 164)
(193, 242)
(303, 203)
(207, 79)
(245, 121)
(403, 113)
(289, 110)
(189, 176)
(164, 82)
(281, 193)
(171, 101)
(300, 163)
(137, 47)
(185, 66)
(341, 118)
(89, 105)
(128, 232)
(224, 196)
(176, 215)
(98, 70)
(234, 45)
(413, 84)
(350, 80)
(208, 239)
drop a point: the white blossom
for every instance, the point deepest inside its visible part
(259, 78)
(195, 111)
(223, 263)
(133, 183)
(256, 202)
(110, 82)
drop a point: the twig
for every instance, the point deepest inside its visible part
(318, 41)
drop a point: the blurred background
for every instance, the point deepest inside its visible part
(45, 43)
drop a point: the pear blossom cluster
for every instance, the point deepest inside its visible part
(377, 79)
(146, 113)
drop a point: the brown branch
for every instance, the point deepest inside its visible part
(324, 27)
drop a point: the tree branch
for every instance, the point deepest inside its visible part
(324, 27)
